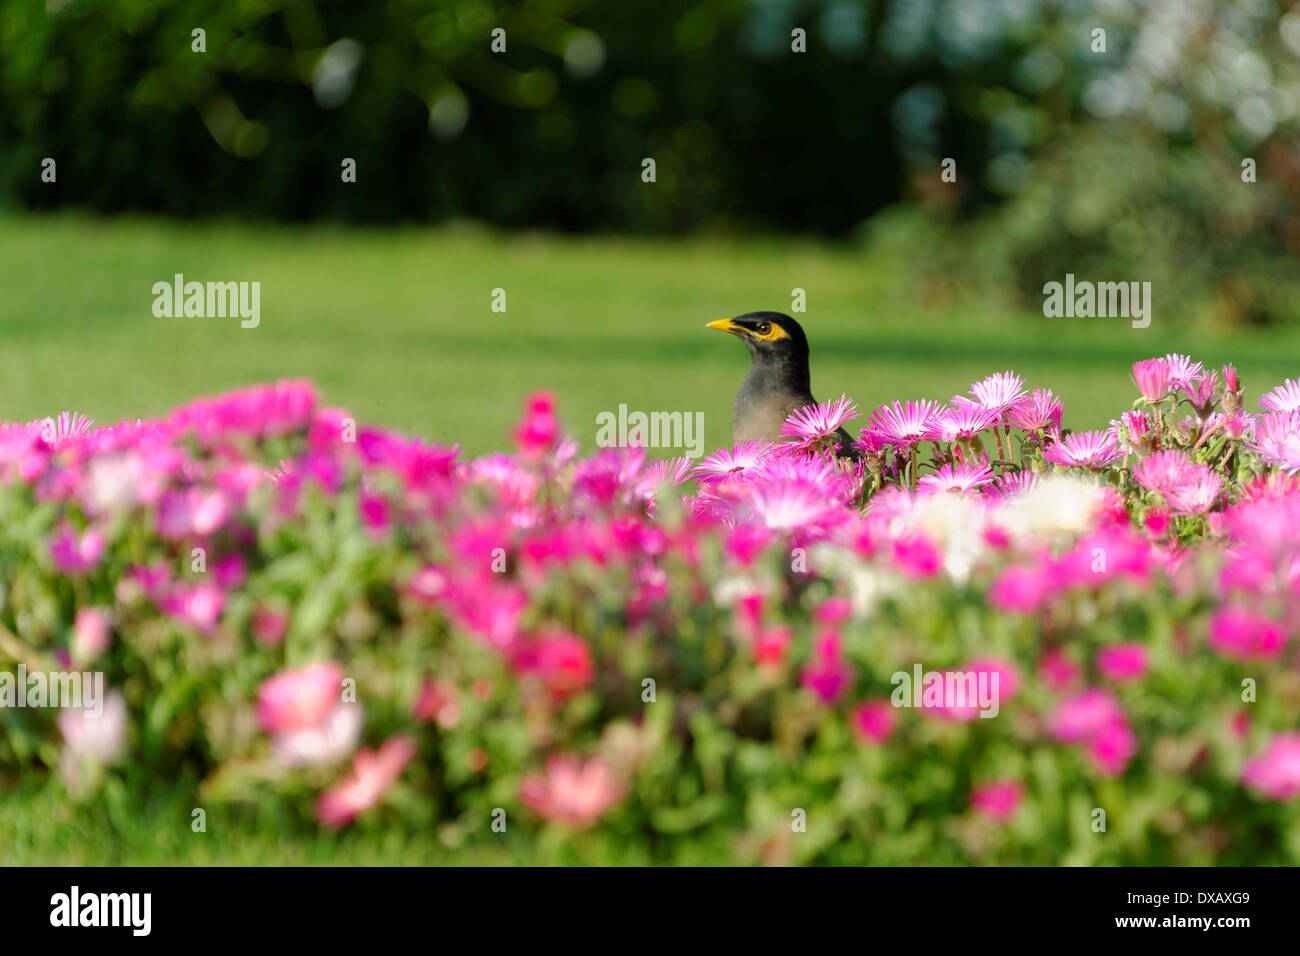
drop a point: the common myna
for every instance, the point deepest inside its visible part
(777, 383)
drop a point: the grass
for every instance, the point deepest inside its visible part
(397, 326)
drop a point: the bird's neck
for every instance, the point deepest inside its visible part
(778, 374)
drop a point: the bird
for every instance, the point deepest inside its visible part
(778, 379)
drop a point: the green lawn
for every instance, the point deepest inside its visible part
(397, 325)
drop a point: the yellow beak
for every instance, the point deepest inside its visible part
(725, 325)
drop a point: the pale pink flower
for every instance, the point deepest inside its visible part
(99, 737)
(298, 699)
(372, 773)
(572, 792)
(90, 633)
(961, 479)
(999, 391)
(964, 420)
(1284, 398)
(1091, 449)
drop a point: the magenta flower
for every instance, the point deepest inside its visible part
(1245, 636)
(1198, 495)
(539, 431)
(76, 555)
(1094, 720)
(67, 428)
(372, 773)
(1040, 409)
(1092, 449)
(964, 420)
(1276, 772)
(828, 675)
(1122, 662)
(814, 424)
(905, 425)
(998, 800)
(1164, 471)
(1023, 589)
(1182, 370)
(874, 721)
(732, 463)
(572, 792)
(1152, 378)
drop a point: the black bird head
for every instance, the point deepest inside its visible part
(771, 337)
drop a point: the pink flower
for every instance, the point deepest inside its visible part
(1094, 720)
(1242, 635)
(1057, 670)
(1277, 440)
(199, 606)
(440, 702)
(1276, 772)
(874, 721)
(373, 772)
(905, 425)
(964, 420)
(1122, 662)
(298, 699)
(958, 479)
(96, 736)
(76, 556)
(916, 557)
(268, 625)
(1092, 449)
(814, 424)
(538, 432)
(999, 391)
(998, 800)
(90, 633)
(571, 792)
(770, 647)
(1037, 410)
(562, 660)
(1023, 589)
(1152, 378)
(732, 463)
(828, 678)
(1284, 398)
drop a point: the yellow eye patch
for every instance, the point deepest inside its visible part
(774, 334)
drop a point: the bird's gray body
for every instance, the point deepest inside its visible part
(764, 402)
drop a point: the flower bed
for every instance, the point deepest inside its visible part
(332, 622)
